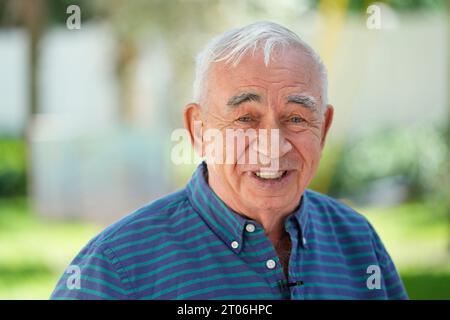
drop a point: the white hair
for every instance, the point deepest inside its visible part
(231, 46)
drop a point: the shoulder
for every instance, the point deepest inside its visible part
(328, 208)
(105, 260)
(335, 219)
(161, 212)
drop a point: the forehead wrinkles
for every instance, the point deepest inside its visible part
(274, 89)
(253, 71)
(273, 79)
(273, 85)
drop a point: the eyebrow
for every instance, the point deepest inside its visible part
(307, 101)
(237, 99)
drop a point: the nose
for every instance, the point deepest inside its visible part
(270, 145)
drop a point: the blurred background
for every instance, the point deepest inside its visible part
(88, 103)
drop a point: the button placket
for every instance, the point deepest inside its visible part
(273, 268)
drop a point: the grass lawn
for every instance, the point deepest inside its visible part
(418, 241)
(34, 252)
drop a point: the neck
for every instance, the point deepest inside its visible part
(271, 220)
(273, 225)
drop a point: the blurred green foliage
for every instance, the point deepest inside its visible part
(412, 158)
(167, 12)
(401, 5)
(13, 176)
(56, 10)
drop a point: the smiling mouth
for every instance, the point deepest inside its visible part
(271, 178)
(270, 175)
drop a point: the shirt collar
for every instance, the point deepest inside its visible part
(225, 222)
(299, 219)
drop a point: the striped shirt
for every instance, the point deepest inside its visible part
(190, 245)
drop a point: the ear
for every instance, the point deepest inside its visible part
(194, 125)
(328, 119)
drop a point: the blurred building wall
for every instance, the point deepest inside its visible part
(86, 162)
(13, 80)
(395, 77)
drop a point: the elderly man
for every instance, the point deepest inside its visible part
(245, 229)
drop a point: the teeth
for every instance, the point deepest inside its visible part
(269, 174)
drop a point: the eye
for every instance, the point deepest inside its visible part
(296, 119)
(245, 119)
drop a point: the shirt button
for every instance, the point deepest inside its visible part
(235, 244)
(304, 241)
(270, 264)
(250, 227)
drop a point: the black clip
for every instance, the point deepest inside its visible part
(296, 283)
(286, 285)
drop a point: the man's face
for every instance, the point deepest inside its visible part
(285, 97)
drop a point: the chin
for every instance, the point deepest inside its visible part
(274, 203)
